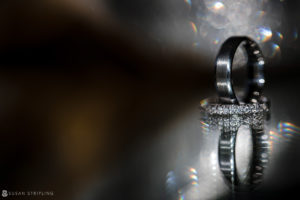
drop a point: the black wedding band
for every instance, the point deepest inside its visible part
(224, 70)
(227, 159)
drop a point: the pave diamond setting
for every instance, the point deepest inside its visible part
(229, 117)
(229, 109)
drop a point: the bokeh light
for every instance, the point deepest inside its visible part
(275, 50)
(194, 27)
(264, 34)
(218, 20)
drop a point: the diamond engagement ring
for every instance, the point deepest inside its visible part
(229, 112)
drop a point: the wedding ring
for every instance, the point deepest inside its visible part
(228, 112)
(228, 122)
(223, 68)
(259, 161)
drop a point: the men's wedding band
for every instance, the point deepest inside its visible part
(255, 66)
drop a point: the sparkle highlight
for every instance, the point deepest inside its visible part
(279, 35)
(218, 6)
(189, 3)
(275, 50)
(194, 27)
(204, 127)
(216, 41)
(288, 127)
(194, 177)
(193, 170)
(264, 34)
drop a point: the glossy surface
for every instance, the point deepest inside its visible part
(224, 70)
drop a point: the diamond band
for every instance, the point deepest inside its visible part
(233, 122)
(230, 109)
(232, 116)
(212, 107)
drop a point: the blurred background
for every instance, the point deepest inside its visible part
(99, 98)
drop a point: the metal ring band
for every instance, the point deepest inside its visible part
(228, 119)
(227, 159)
(224, 70)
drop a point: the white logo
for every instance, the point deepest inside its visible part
(4, 193)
